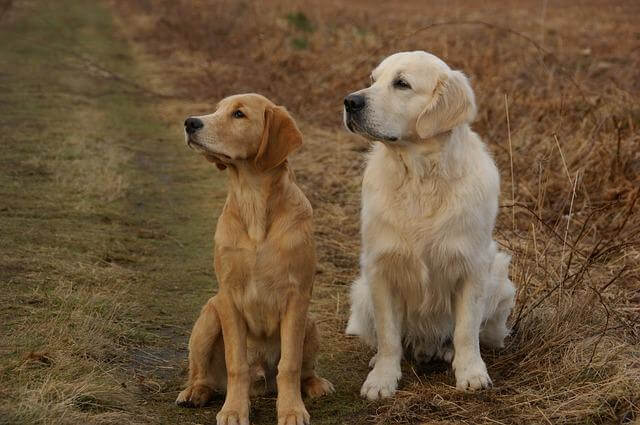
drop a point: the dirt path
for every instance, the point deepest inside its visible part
(107, 225)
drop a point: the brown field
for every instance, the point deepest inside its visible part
(89, 232)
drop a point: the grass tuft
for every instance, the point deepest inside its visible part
(300, 21)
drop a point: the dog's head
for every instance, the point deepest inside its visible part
(412, 96)
(244, 128)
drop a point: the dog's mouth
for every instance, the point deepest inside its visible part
(355, 126)
(211, 155)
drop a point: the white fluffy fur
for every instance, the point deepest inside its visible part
(433, 283)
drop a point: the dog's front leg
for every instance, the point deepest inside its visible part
(235, 410)
(470, 370)
(382, 381)
(291, 410)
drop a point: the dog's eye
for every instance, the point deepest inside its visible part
(401, 84)
(238, 114)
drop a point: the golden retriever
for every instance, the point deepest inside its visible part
(265, 263)
(433, 283)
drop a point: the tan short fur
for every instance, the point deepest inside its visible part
(265, 263)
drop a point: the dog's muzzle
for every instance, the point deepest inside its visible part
(355, 119)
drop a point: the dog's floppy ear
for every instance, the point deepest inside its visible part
(452, 104)
(280, 137)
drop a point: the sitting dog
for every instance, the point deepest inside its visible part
(265, 263)
(432, 283)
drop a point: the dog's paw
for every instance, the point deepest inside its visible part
(446, 354)
(381, 382)
(296, 415)
(316, 387)
(471, 376)
(233, 415)
(194, 396)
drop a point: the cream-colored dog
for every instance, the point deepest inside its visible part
(432, 279)
(265, 263)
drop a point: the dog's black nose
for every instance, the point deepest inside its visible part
(354, 102)
(191, 125)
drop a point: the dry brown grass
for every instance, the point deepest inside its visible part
(557, 87)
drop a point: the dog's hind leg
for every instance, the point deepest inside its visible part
(500, 303)
(312, 385)
(207, 370)
(361, 321)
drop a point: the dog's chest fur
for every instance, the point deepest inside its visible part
(262, 260)
(252, 291)
(437, 214)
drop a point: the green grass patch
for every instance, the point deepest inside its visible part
(107, 224)
(300, 21)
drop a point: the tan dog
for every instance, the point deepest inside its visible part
(265, 263)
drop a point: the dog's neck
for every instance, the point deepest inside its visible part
(254, 194)
(431, 157)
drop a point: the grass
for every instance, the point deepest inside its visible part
(95, 249)
(300, 21)
(107, 220)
